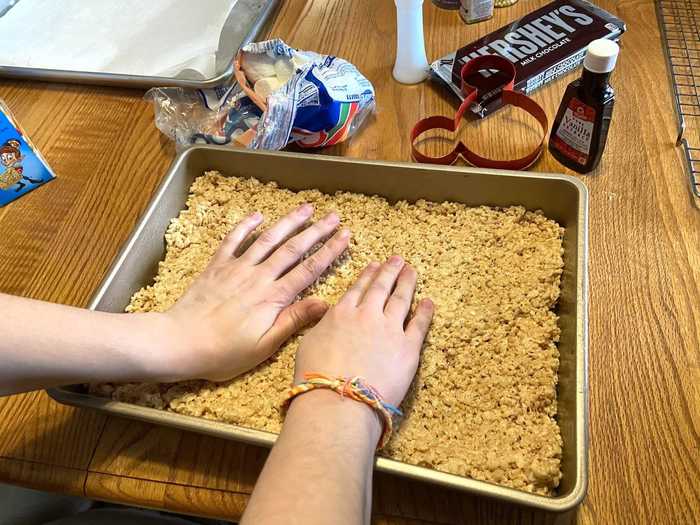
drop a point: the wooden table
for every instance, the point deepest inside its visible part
(58, 241)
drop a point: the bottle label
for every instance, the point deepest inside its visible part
(575, 132)
(476, 10)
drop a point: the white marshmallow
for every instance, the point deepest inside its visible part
(257, 66)
(298, 61)
(266, 86)
(284, 67)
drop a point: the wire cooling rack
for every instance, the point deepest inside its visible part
(679, 21)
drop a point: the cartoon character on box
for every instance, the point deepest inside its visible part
(13, 173)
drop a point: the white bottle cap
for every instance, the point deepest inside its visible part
(601, 56)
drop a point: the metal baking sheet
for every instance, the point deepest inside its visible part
(243, 25)
(560, 197)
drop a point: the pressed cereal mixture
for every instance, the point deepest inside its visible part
(484, 401)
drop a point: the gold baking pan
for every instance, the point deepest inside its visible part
(560, 197)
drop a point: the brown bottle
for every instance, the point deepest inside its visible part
(581, 126)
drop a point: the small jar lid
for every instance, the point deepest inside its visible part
(601, 56)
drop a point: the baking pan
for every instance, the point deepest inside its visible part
(560, 197)
(243, 25)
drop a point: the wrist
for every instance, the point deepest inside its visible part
(338, 416)
(160, 345)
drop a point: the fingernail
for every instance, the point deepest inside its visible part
(332, 218)
(344, 234)
(427, 303)
(395, 260)
(256, 216)
(306, 209)
(373, 265)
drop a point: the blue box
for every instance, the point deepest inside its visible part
(22, 168)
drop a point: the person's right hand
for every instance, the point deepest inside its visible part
(366, 333)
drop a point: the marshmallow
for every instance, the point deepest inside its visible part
(257, 66)
(266, 86)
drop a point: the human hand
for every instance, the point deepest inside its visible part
(240, 310)
(330, 439)
(364, 335)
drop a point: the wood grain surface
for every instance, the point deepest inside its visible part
(58, 241)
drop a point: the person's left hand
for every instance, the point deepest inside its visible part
(241, 309)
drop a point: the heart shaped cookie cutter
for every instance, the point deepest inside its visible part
(483, 78)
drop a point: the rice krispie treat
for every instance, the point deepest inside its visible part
(484, 401)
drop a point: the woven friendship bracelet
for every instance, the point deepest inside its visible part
(354, 388)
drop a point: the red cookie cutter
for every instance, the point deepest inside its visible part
(478, 87)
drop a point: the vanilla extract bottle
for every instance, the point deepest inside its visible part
(581, 126)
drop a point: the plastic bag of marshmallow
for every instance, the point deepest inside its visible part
(280, 96)
(308, 99)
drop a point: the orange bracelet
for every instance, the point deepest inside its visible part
(354, 388)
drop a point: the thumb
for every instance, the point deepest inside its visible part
(292, 319)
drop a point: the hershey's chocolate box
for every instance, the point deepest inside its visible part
(543, 45)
